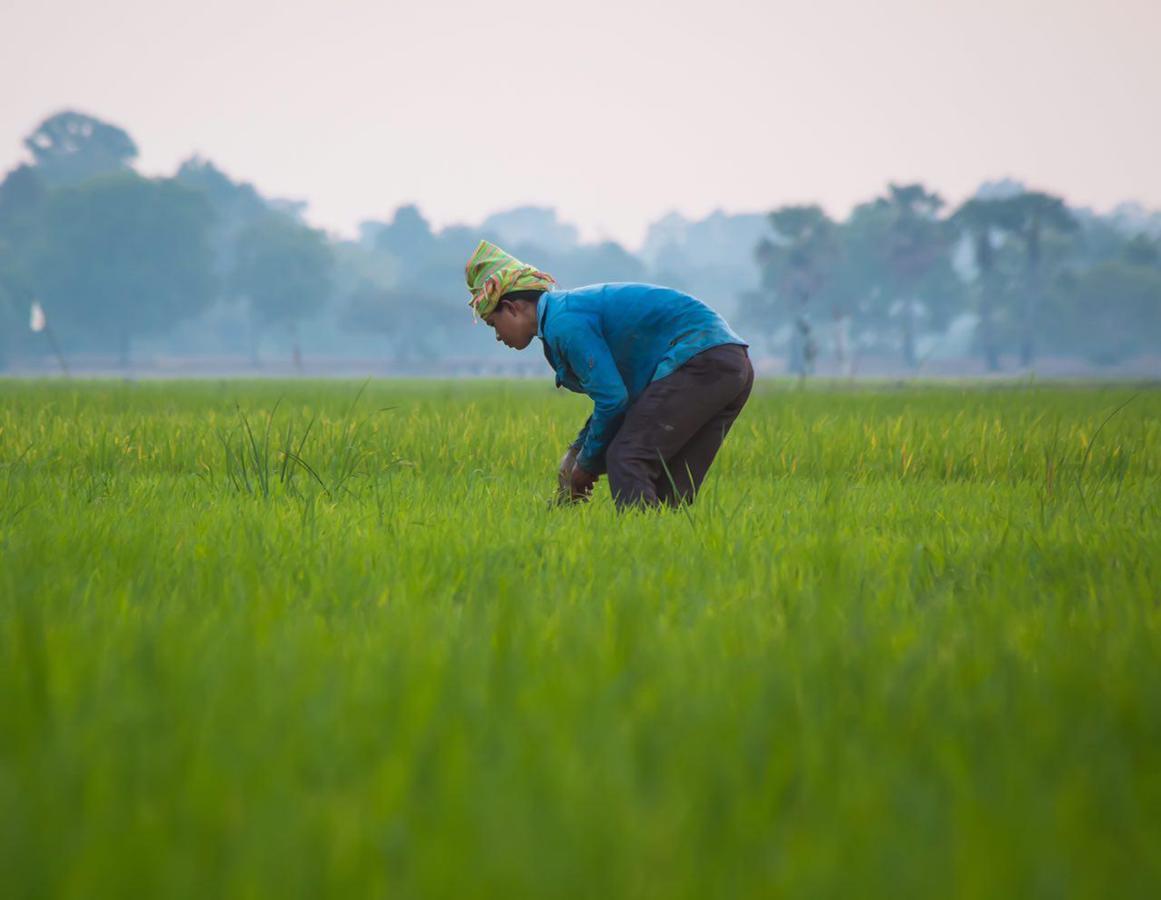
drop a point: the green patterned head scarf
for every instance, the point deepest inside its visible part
(491, 273)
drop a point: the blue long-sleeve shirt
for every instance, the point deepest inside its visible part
(611, 341)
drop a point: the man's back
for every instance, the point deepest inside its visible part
(649, 331)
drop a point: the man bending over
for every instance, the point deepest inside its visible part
(666, 374)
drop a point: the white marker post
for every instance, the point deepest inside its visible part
(38, 322)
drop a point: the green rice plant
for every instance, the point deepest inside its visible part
(327, 639)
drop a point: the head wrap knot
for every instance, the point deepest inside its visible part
(491, 273)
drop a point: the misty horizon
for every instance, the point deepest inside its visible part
(615, 114)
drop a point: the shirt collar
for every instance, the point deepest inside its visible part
(541, 309)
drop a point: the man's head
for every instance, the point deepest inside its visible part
(514, 318)
(492, 275)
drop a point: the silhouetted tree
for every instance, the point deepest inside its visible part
(408, 236)
(124, 256)
(71, 147)
(1108, 312)
(22, 200)
(535, 226)
(236, 206)
(284, 270)
(794, 263)
(916, 242)
(412, 317)
(983, 221)
(10, 308)
(1029, 215)
(1141, 250)
(586, 264)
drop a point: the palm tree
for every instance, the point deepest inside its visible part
(916, 240)
(982, 220)
(793, 262)
(1029, 215)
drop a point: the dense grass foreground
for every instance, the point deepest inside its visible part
(289, 640)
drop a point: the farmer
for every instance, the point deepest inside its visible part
(666, 374)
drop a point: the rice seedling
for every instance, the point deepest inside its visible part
(308, 638)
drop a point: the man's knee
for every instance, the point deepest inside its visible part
(619, 463)
(626, 453)
(615, 452)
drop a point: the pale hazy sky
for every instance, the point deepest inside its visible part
(614, 111)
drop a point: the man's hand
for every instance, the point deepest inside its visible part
(564, 476)
(571, 486)
(581, 484)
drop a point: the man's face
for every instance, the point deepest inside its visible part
(512, 325)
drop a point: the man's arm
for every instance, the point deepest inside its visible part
(581, 435)
(576, 445)
(589, 357)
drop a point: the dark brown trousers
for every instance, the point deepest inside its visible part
(672, 432)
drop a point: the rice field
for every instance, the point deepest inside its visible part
(309, 639)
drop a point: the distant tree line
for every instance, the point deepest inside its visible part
(1032, 276)
(199, 263)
